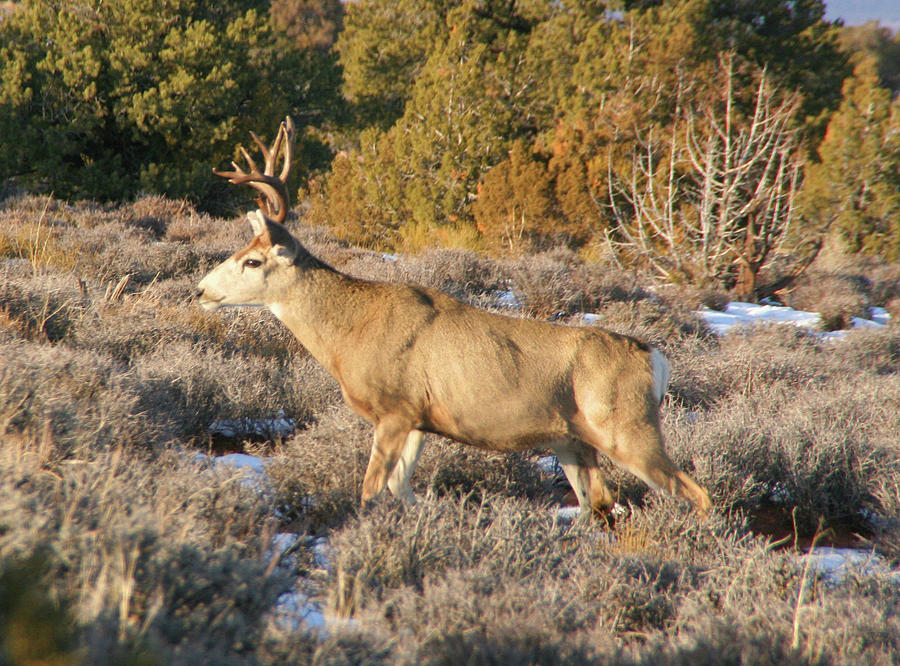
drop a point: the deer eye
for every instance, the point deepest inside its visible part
(252, 263)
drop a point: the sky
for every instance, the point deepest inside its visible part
(857, 12)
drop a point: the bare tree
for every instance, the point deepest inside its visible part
(711, 201)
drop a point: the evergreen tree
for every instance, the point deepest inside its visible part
(790, 38)
(383, 48)
(856, 186)
(309, 24)
(104, 99)
(515, 203)
(878, 42)
(494, 75)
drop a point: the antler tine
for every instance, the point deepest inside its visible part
(274, 201)
(269, 154)
(249, 159)
(288, 128)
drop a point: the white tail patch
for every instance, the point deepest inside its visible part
(661, 373)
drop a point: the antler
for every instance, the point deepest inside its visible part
(274, 200)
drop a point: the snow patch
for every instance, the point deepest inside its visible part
(506, 299)
(295, 612)
(549, 465)
(253, 468)
(748, 314)
(16, 262)
(321, 552)
(833, 565)
(567, 514)
(880, 316)
(244, 461)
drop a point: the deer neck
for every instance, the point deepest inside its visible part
(318, 306)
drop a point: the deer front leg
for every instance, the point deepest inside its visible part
(390, 436)
(398, 481)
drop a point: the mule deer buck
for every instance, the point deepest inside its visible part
(413, 361)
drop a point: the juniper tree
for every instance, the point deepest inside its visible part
(103, 99)
(855, 187)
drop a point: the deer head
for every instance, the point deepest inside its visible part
(251, 276)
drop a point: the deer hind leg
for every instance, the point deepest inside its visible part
(398, 481)
(580, 465)
(638, 447)
(387, 448)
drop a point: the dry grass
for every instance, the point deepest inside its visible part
(837, 298)
(134, 551)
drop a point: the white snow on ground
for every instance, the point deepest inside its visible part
(253, 464)
(252, 468)
(738, 315)
(321, 551)
(747, 314)
(506, 299)
(567, 513)
(834, 565)
(283, 545)
(549, 465)
(295, 612)
(879, 316)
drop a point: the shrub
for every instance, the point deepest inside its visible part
(77, 399)
(823, 448)
(317, 478)
(188, 386)
(838, 299)
(39, 308)
(105, 524)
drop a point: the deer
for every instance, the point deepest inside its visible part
(413, 360)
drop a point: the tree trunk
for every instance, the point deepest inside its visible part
(745, 287)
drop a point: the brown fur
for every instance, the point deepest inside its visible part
(414, 360)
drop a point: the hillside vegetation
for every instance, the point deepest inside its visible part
(118, 543)
(719, 145)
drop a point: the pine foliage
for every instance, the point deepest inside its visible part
(508, 125)
(103, 100)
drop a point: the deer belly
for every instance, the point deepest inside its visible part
(497, 427)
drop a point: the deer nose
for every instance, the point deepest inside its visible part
(198, 293)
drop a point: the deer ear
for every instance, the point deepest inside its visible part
(283, 244)
(257, 222)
